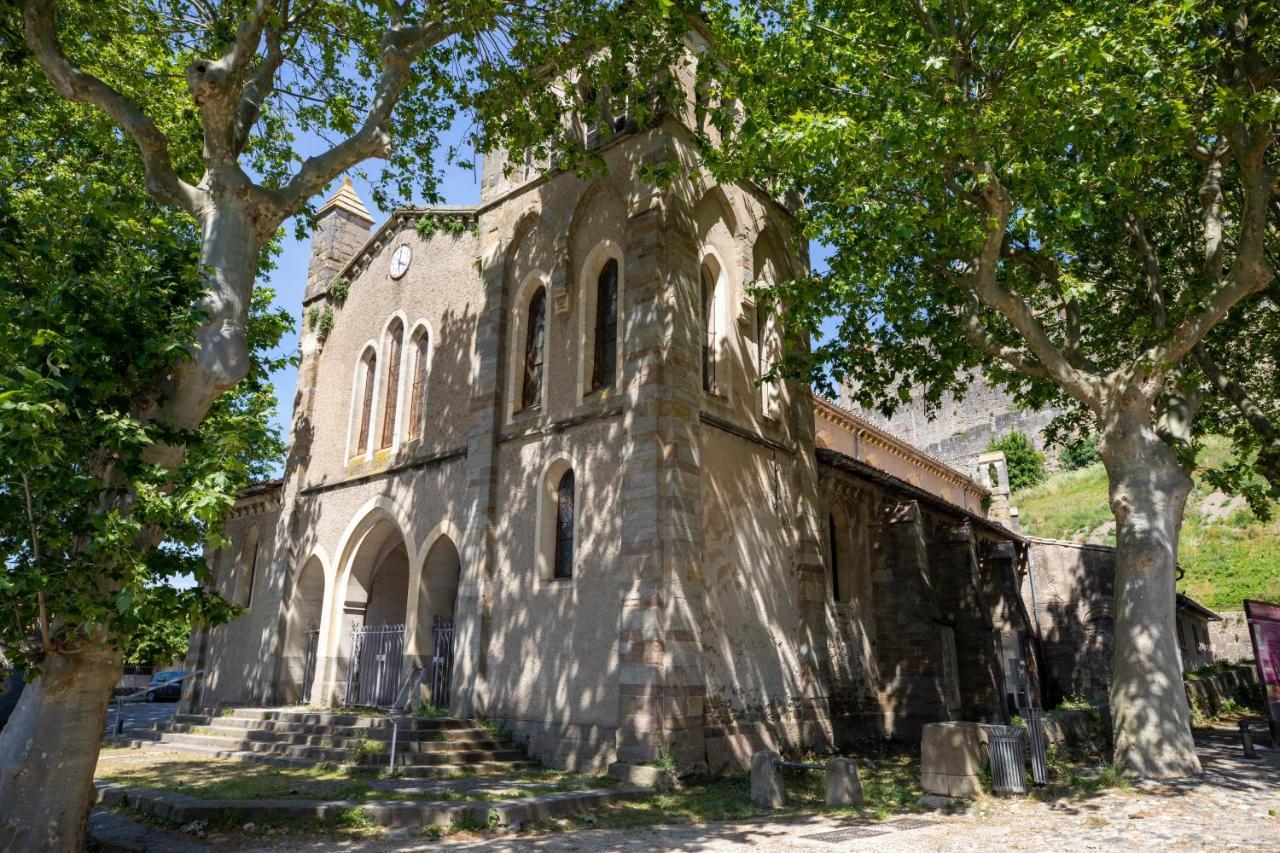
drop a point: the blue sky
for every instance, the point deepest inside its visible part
(289, 278)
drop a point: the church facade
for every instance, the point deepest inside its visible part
(534, 475)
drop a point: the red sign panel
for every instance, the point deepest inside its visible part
(1264, 627)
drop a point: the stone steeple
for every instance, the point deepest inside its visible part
(342, 227)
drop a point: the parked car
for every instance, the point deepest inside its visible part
(10, 691)
(164, 687)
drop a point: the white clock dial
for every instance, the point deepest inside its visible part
(400, 260)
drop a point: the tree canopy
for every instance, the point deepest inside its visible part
(99, 284)
(1052, 191)
(1078, 197)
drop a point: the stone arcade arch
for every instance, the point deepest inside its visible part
(372, 591)
(436, 605)
(306, 609)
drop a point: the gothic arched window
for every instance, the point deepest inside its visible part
(563, 565)
(395, 344)
(368, 376)
(418, 390)
(605, 361)
(534, 344)
(708, 329)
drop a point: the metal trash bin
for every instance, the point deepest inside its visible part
(1036, 740)
(1006, 753)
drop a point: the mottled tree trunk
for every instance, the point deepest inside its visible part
(220, 357)
(49, 748)
(1151, 719)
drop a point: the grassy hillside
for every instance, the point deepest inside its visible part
(1227, 553)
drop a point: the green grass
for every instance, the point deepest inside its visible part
(890, 784)
(226, 779)
(1226, 560)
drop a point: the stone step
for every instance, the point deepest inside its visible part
(179, 809)
(406, 742)
(190, 721)
(436, 771)
(340, 719)
(337, 755)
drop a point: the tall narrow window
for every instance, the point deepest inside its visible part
(418, 392)
(366, 406)
(534, 343)
(760, 371)
(708, 330)
(835, 558)
(564, 527)
(605, 363)
(393, 384)
(592, 117)
(253, 572)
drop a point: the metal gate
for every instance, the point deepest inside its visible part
(309, 664)
(373, 673)
(441, 662)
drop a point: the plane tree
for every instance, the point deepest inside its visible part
(234, 115)
(1079, 198)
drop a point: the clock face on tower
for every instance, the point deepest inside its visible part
(400, 260)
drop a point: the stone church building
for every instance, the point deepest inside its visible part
(533, 476)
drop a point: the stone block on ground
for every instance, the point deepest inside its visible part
(644, 775)
(844, 788)
(951, 759)
(767, 791)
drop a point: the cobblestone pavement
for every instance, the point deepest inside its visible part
(140, 716)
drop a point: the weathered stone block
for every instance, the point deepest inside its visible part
(844, 788)
(767, 790)
(951, 759)
(639, 774)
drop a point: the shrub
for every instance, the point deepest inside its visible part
(1026, 464)
(1080, 453)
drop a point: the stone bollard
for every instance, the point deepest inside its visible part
(1246, 738)
(844, 788)
(767, 791)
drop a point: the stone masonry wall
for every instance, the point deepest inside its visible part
(961, 428)
(1229, 639)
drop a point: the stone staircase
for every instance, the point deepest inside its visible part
(426, 747)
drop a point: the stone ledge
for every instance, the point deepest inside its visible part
(183, 808)
(643, 775)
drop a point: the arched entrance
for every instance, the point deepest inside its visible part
(437, 594)
(374, 606)
(302, 632)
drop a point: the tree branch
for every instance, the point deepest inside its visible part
(75, 85)
(262, 83)
(1150, 270)
(1018, 359)
(400, 47)
(1250, 271)
(1238, 396)
(997, 205)
(45, 642)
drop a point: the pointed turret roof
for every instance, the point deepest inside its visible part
(345, 199)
